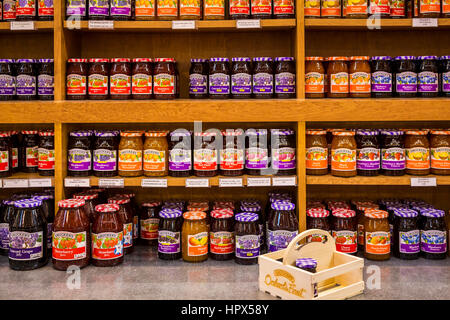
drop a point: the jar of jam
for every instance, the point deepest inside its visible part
(26, 79)
(359, 73)
(169, 234)
(156, 151)
(261, 9)
(167, 10)
(180, 154)
(309, 265)
(282, 226)
(98, 87)
(7, 80)
(356, 10)
(399, 9)
(213, 10)
(316, 152)
(285, 77)
(9, 10)
(121, 9)
(283, 150)
(262, 78)
(247, 240)
(219, 78)
(239, 9)
(145, 10)
(76, 10)
(198, 79)
(5, 154)
(130, 154)
(46, 153)
(15, 145)
(380, 9)
(77, 71)
(361, 208)
(105, 154)
(120, 79)
(190, 10)
(312, 9)
(29, 151)
(91, 200)
(254, 206)
(377, 242)
(221, 236)
(343, 154)
(241, 78)
(406, 77)
(314, 77)
(142, 79)
(195, 237)
(393, 161)
(164, 79)
(428, 77)
(6, 217)
(257, 152)
(433, 234)
(206, 154)
(284, 9)
(331, 9)
(406, 234)
(126, 215)
(367, 153)
(149, 222)
(429, 9)
(79, 163)
(71, 235)
(232, 153)
(417, 151)
(381, 77)
(45, 83)
(344, 230)
(98, 10)
(317, 218)
(440, 152)
(444, 76)
(338, 77)
(25, 10)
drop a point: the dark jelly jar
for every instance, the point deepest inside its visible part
(393, 160)
(282, 227)
(98, 10)
(15, 144)
(121, 9)
(46, 153)
(7, 80)
(165, 79)
(26, 79)
(206, 154)
(433, 234)
(445, 76)
(219, 78)
(79, 154)
(257, 152)
(26, 10)
(6, 217)
(45, 83)
(284, 77)
(247, 242)
(142, 79)
(120, 79)
(198, 79)
(76, 9)
(221, 235)
(149, 223)
(104, 155)
(262, 78)
(98, 79)
(241, 78)
(169, 234)
(28, 151)
(48, 208)
(428, 77)
(180, 154)
(283, 149)
(405, 76)
(406, 234)
(5, 154)
(367, 153)
(232, 155)
(76, 83)
(381, 77)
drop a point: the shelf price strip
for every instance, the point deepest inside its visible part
(101, 24)
(424, 22)
(154, 183)
(423, 182)
(111, 183)
(15, 183)
(77, 182)
(197, 183)
(22, 25)
(39, 183)
(230, 182)
(184, 25)
(248, 24)
(284, 181)
(258, 182)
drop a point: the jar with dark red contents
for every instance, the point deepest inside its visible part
(206, 154)
(219, 78)
(29, 151)
(257, 152)
(169, 234)
(5, 154)
(15, 150)
(221, 235)
(241, 78)
(149, 222)
(344, 230)
(283, 149)
(7, 79)
(91, 200)
(26, 10)
(317, 218)
(180, 154)
(98, 79)
(198, 79)
(120, 79)
(262, 78)
(25, 79)
(79, 163)
(134, 207)
(393, 158)
(45, 80)
(46, 153)
(104, 155)
(247, 242)
(367, 153)
(164, 79)
(142, 79)
(232, 154)
(76, 84)
(101, 193)
(126, 216)
(285, 77)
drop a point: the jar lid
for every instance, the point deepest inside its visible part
(417, 132)
(98, 60)
(282, 132)
(337, 58)
(142, 60)
(219, 60)
(86, 196)
(164, 60)
(8, 202)
(25, 60)
(259, 59)
(445, 58)
(314, 58)
(199, 60)
(29, 132)
(442, 132)
(198, 203)
(228, 204)
(256, 132)
(5, 134)
(151, 204)
(283, 206)
(81, 133)
(232, 132)
(119, 200)
(156, 133)
(392, 132)
(360, 58)
(131, 133)
(120, 60)
(317, 213)
(307, 263)
(284, 59)
(405, 213)
(376, 214)
(47, 133)
(392, 207)
(28, 203)
(241, 59)
(45, 60)
(250, 207)
(197, 208)
(105, 133)
(422, 207)
(13, 132)
(343, 213)
(71, 203)
(173, 206)
(194, 215)
(246, 217)
(316, 132)
(77, 60)
(43, 197)
(427, 57)
(364, 132)
(343, 133)
(405, 58)
(7, 60)
(222, 213)
(180, 133)
(381, 58)
(433, 213)
(107, 207)
(205, 134)
(170, 213)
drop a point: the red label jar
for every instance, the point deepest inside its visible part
(98, 79)
(46, 153)
(205, 154)
(142, 80)
(120, 79)
(232, 153)
(76, 79)
(344, 230)
(164, 79)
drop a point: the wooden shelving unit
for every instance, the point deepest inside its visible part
(372, 181)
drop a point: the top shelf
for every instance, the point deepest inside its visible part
(355, 24)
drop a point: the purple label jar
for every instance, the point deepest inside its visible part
(409, 241)
(406, 81)
(105, 160)
(26, 245)
(7, 79)
(168, 241)
(99, 8)
(198, 83)
(285, 82)
(180, 160)
(79, 160)
(263, 83)
(393, 159)
(428, 81)
(381, 81)
(241, 83)
(76, 7)
(219, 83)
(247, 247)
(121, 8)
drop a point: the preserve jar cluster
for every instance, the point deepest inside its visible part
(370, 152)
(179, 9)
(26, 10)
(181, 153)
(26, 79)
(362, 9)
(407, 229)
(262, 78)
(377, 77)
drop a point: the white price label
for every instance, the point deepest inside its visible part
(101, 24)
(39, 183)
(423, 182)
(230, 182)
(77, 182)
(197, 183)
(154, 183)
(248, 24)
(22, 25)
(424, 22)
(184, 25)
(15, 183)
(258, 182)
(111, 183)
(284, 181)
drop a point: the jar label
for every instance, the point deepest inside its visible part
(398, 8)
(154, 160)
(361, 234)
(263, 83)
(280, 239)
(79, 160)
(214, 8)
(197, 244)
(68, 245)
(378, 242)
(9, 9)
(26, 245)
(164, 84)
(98, 84)
(285, 82)
(130, 160)
(417, 158)
(261, 7)
(345, 241)
(25, 8)
(331, 8)
(180, 160)
(440, 158)
(45, 85)
(7, 85)
(4, 236)
(316, 158)
(339, 82)
(120, 84)
(205, 159)
(239, 7)
(445, 6)
(190, 8)
(145, 8)
(15, 157)
(409, 242)
(31, 157)
(105, 160)
(314, 82)
(121, 8)
(127, 235)
(168, 241)
(167, 8)
(26, 85)
(46, 159)
(232, 159)
(247, 247)
(316, 238)
(198, 83)
(381, 81)
(343, 159)
(357, 7)
(428, 82)
(256, 158)
(433, 241)
(99, 8)
(107, 245)
(393, 159)
(222, 242)
(406, 81)
(76, 84)
(219, 83)
(380, 7)
(135, 227)
(149, 228)
(45, 8)
(4, 161)
(430, 6)
(312, 8)
(445, 79)
(141, 84)
(76, 7)
(283, 7)
(368, 159)
(241, 83)
(283, 158)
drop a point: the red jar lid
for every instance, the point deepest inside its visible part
(71, 203)
(164, 60)
(120, 60)
(84, 196)
(107, 207)
(119, 200)
(29, 132)
(222, 213)
(142, 60)
(4, 134)
(344, 213)
(151, 204)
(317, 213)
(48, 133)
(98, 60)
(78, 60)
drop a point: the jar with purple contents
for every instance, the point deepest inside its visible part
(283, 147)
(393, 161)
(381, 77)
(444, 76)
(241, 78)
(284, 77)
(121, 10)
(428, 77)
(76, 9)
(282, 227)
(169, 234)
(255, 207)
(405, 76)
(433, 234)
(367, 153)
(257, 152)
(406, 234)
(7, 80)
(26, 79)
(104, 156)
(219, 78)
(232, 153)
(262, 78)
(79, 154)
(198, 79)
(247, 242)
(45, 83)
(98, 10)
(180, 154)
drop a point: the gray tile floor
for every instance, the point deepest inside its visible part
(144, 276)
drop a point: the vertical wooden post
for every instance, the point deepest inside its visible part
(57, 49)
(301, 175)
(300, 49)
(60, 152)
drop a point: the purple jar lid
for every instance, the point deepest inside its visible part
(6, 60)
(256, 132)
(393, 207)
(43, 197)
(105, 133)
(405, 213)
(405, 58)
(8, 202)
(199, 60)
(392, 132)
(219, 60)
(246, 217)
(28, 203)
(250, 208)
(237, 59)
(258, 59)
(284, 59)
(81, 133)
(283, 206)
(170, 213)
(381, 58)
(45, 60)
(180, 133)
(422, 207)
(46, 194)
(367, 132)
(427, 57)
(445, 58)
(25, 61)
(282, 132)
(433, 213)
(307, 263)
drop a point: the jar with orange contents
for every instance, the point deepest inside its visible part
(316, 152)
(344, 230)
(156, 151)
(194, 236)
(130, 154)
(190, 9)
(440, 152)
(337, 72)
(377, 244)
(417, 150)
(359, 77)
(330, 9)
(343, 154)
(314, 77)
(360, 221)
(356, 9)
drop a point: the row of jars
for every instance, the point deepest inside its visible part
(370, 152)
(29, 151)
(179, 9)
(29, 10)
(407, 229)
(265, 78)
(378, 77)
(362, 9)
(181, 153)
(26, 79)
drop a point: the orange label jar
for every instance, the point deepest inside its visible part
(312, 9)
(359, 77)
(440, 152)
(338, 77)
(145, 10)
(167, 9)
(446, 8)
(429, 8)
(417, 149)
(194, 236)
(316, 152)
(156, 154)
(331, 9)
(130, 154)
(190, 9)
(377, 235)
(213, 9)
(355, 9)
(380, 7)
(314, 77)
(343, 154)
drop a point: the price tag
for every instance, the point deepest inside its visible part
(424, 22)
(38, 183)
(15, 183)
(101, 24)
(230, 182)
(248, 24)
(111, 183)
(284, 181)
(77, 182)
(197, 183)
(154, 183)
(423, 182)
(22, 25)
(184, 25)
(258, 182)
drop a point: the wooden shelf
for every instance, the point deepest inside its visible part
(40, 26)
(385, 24)
(371, 181)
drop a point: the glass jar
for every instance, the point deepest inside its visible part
(5, 154)
(167, 10)
(377, 242)
(164, 79)
(247, 240)
(381, 77)
(428, 77)
(79, 161)
(337, 72)
(398, 9)
(29, 151)
(120, 79)
(256, 152)
(169, 234)
(213, 10)
(239, 9)
(359, 73)
(6, 217)
(405, 77)
(393, 161)
(25, 10)
(122, 10)
(206, 154)
(429, 9)
(7, 80)
(126, 216)
(314, 77)
(232, 153)
(283, 151)
(221, 236)
(46, 153)
(445, 71)
(156, 151)
(406, 234)
(76, 10)
(180, 154)
(77, 71)
(241, 78)
(45, 82)
(344, 230)
(26, 79)
(284, 9)
(98, 10)
(285, 78)
(142, 79)
(417, 152)
(262, 78)
(330, 9)
(190, 10)
(198, 79)
(361, 220)
(9, 10)
(356, 10)
(261, 9)
(48, 209)
(433, 234)
(195, 236)
(130, 154)
(105, 154)
(312, 9)
(149, 222)
(282, 227)
(15, 145)
(91, 200)
(316, 152)
(309, 265)
(367, 153)
(133, 207)
(219, 78)
(145, 10)
(440, 152)
(98, 78)
(317, 218)
(343, 154)
(254, 206)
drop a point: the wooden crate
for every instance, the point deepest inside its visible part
(339, 275)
